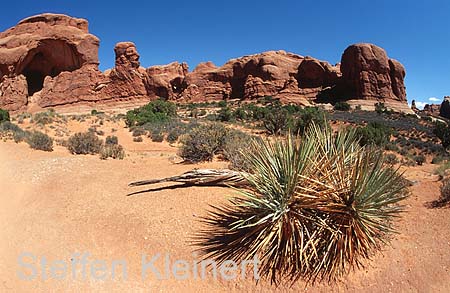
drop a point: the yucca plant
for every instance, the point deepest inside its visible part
(316, 207)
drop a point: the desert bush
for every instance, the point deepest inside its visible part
(307, 116)
(391, 159)
(44, 118)
(373, 133)
(276, 121)
(157, 136)
(84, 143)
(442, 131)
(18, 133)
(138, 131)
(234, 145)
(315, 208)
(114, 151)
(203, 142)
(391, 146)
(4, 116)
(420, 159)
(342, 106)
(173, 135)
(40, 141)
(138, 139)
(112, 140)
(155, 111)
(222, 104)
(225, 114)
(437, 159)
(445, 192)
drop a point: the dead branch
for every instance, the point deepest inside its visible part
(202, 177)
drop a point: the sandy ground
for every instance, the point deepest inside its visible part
(53, 205)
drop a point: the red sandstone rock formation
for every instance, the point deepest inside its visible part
(369, 74)
(41, 48)
(51, 60)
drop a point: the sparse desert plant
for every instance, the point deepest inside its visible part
(114, 151)
(420, 159)
(445, 192)
(437, 159)
(138, 131)
(157, 136)
(44, 118)
(173, 135)
(342, 106)
(316, 208)
(203, 142)
(391, 159)
(112, 140)
(84, 143)
(234, 145)
(40, 141)
(225, 114)
(138, 139)
(4, 116)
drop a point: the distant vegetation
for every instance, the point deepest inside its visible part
(4, 115)
(155, 111)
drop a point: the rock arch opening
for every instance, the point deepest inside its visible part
(49, 58)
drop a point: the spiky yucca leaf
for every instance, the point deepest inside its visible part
(316, 207)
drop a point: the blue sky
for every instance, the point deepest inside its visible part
(417, 33)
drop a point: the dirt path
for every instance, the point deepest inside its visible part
(53, 205)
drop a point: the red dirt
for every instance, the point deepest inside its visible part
(55, 204)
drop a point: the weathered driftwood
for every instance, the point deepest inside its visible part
(202, 177)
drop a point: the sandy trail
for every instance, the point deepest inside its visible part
(55, 204)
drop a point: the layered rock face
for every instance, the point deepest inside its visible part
(369, 74)
(51, 60)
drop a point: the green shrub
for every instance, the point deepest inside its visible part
(222, 104)
(437, 160)
(40, 141)
(114, 151)
(380, 108)
(155, 111)
(442, 131)
(276, 121)
(310, 115)
(225, 114)
(4, 116)
(374, 133)
(203, 142)
(342, 106)
(84, 143)
(420, 159)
